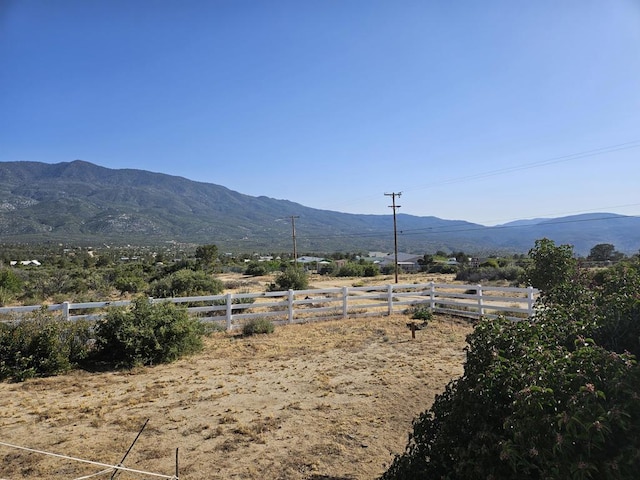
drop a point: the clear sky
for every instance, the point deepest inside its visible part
(485, 111)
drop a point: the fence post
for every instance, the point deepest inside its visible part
(432, 296)
(345, 303)
(530, 300)
(65, 310)
(480, 302)
(229, 301)
(390, 298)
(290, 300)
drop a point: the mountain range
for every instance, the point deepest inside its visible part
(82, 203)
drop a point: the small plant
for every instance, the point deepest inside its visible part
(420, 312)
(41, 345)
(293, 278)
(258, 325)
(147, 334)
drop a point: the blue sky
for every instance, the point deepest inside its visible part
(481, 111)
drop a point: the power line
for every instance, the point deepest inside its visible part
(524, 166)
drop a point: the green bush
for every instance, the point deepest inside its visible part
(256, 269)
(186, 282)
(488, 274)
(421, 312)
(147, 334)
(292, 278)
(10, 285)
(41, 345)
(258, 325)
(351, 269)
(554, 398)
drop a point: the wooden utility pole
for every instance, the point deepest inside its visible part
(293, 236)
(393, 196)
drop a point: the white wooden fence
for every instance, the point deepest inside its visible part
(233, 309)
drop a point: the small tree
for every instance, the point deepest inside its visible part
(147, 334)
(206, 256)
(551, 265)
(604, 252)
(186, 282)
(292, 278)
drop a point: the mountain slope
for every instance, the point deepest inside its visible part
(81, 202)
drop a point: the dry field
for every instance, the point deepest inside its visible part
(326, 400)
(330, 400)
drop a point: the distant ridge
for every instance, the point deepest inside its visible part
(82, 203)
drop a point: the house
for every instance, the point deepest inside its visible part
(406, 261)
(25, 263)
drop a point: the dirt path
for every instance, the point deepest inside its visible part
(331, 400)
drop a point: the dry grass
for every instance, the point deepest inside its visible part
(331, 400)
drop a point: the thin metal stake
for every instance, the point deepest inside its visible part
(113, 475)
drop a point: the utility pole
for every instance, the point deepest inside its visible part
(293, 236)
(393, 196)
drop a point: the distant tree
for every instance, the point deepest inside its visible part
(550, 266)
(206, 256)
(604, 252)
(291, 279)
(426, 262)
(186, 282)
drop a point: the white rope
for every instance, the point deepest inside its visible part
(124, 469)
(106, 470)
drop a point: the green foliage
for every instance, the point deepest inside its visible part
(256, 269)
(551, 266)
(258, 325)
(129, 284)
(371, 270)
(9, 281)
(186, 282)
(604, 252)
(41, 345)
(293, 278)
(554, 398)
(206, 256)
(421, 312)
(147, 334)
(351, 269)
(488, 274)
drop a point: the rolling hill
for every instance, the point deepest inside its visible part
(82, 203)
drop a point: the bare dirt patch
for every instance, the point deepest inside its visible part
(331, 400)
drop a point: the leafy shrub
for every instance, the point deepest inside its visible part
(258, 325)
(256, 269)
(186, 282)
(42, 345)
(292, 278)
(147, 334)
(351, 269)
(553, 398)
(371, 270)
(421, 312)
(488, 274)
(10, 285)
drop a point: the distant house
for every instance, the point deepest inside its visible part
(407, 261)
(25, 263)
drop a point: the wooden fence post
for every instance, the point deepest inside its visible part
(432, 296)
(229, 301)
(345, 303)
(290, 298)
(530, 300)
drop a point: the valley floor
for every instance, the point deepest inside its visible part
(329, 400)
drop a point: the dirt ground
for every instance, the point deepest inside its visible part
(326, 400)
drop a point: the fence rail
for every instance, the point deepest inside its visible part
(232, 309)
